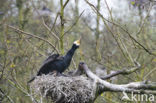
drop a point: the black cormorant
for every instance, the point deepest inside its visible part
(56, 63)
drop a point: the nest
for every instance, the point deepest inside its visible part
(77, 89)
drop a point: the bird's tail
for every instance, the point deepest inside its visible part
(32, 79)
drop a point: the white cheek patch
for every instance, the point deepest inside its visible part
(75, 42)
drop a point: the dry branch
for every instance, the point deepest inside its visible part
(35, 36)
(135, 87)
(124, 71)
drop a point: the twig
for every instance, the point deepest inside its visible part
(19, 87)
(141, 27)
(85, 22)
(35, 36)
(44, 22)
(74, 23)
(2, 92)
(55, 22)
(152, 71)
(121, 28)
(65, 4)
(34, 47)
(74, 63)
(45, 25)
(112, 33)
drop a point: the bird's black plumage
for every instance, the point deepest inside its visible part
(57, 63)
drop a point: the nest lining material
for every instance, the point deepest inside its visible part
(77, 89)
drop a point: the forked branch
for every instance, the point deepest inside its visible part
(143, 87)
(124, 71)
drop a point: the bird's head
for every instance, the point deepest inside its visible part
(77, 43)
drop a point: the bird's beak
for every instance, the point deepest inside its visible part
(77, 42)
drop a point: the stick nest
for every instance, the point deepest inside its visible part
(77, 89)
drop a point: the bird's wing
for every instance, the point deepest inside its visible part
(51, 58)
(60, 58)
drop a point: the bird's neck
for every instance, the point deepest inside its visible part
(70, 53)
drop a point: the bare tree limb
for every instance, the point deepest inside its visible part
(35, 36)
(135, 87)
(124, 71)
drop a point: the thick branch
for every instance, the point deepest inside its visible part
(124, 71)
(135, 87)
